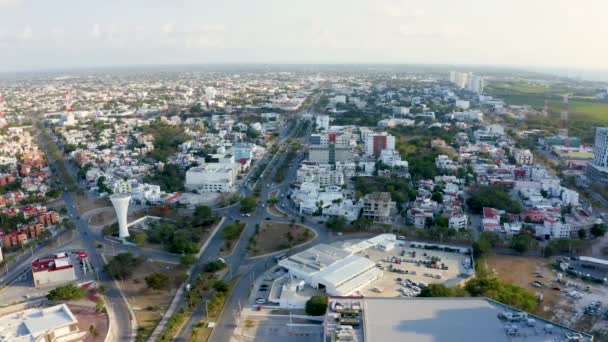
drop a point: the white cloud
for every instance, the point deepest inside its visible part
(193, 37)
(58, 34)
(401, 9)
(96, 31)
(25, 35)
(10, 3)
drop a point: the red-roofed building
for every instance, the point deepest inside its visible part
(53, 270)
(172, 198)
(491, 219)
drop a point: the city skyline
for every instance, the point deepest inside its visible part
(36, 35)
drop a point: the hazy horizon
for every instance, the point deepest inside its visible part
(68, 34)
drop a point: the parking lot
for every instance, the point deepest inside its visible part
(257, 327)
(407, 269)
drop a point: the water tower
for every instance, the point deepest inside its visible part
(121, 205)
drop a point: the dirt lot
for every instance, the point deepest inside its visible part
(87, 318)
(556, 305)
(272, 210)
(149, 305)
(86, 203)
(103, 217)
(274, 236)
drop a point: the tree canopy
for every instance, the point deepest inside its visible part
(123, 265)
(316, 305)
(157, 281)
(493, 197)
(67, 292)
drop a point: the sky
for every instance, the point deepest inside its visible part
(51, 34)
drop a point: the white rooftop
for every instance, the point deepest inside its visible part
(27, 325)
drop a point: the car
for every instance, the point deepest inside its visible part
(260, 301)
(263, 289)
(268, 219)
(265, 286)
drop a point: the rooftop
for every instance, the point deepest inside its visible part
(450, 319)
(28, 324)
(315, 258)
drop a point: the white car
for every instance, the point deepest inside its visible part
(260, 301)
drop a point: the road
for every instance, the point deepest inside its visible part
(117, 306)
(237, 262)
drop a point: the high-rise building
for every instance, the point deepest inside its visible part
(600, 152)
(377, 142)
(597, 170)
(467, 81)
(121, 206)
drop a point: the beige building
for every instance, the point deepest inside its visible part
(377, 206)
(54, 270)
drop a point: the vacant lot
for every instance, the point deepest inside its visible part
(275, 236)
(556, 305)
(149, 305)
(524, 271)
(86, 203)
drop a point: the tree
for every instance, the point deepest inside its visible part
(140, 238)
(493, 197)
(437, 197)
(203, 216)
(522, 243)
(598, 230)
(492, 237)
(337, 223)
(435, 290)
(122, 265)
(442, 221)
(273, 201)
(67, 292)
(214, 266)
(582, 234)
(100, 306)
(481, 248)
(157, 281)
(187, 259)
(316, 306)
(221, 286)
(248, 204)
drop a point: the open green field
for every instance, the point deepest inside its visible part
(585, 112)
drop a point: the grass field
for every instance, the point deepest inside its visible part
(586, 113)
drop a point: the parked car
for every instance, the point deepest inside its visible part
(260, 301)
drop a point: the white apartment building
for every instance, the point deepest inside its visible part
(121, 186)
(570, 197)
(146, 193)
(347, 208)
(444, 162)
(463, 104)
(321, 175)
(216, 177)
(322, 122)
(329, 154)
(557, 229)
(392, 158)
(523, 157)
(458, 221)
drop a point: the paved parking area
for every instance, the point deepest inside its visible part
(400, 262)
(277, 329)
